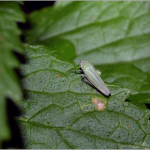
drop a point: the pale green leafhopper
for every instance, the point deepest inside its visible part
(90, 75)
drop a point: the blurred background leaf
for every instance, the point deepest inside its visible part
(114, 36)
(10, 13)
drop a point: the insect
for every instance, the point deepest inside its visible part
(90, 75)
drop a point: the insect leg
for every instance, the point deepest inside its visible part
(83, 77)
(81, 81)
(77, 71)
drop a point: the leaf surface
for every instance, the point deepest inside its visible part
(58, 113)
(114, 36)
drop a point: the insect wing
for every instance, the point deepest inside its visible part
(95, 79)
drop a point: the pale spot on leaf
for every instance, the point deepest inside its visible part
(99, 105)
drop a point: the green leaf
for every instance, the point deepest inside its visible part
(58, 113)
(107, 34)
(10, 13)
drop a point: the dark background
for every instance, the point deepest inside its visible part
(30, 6)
